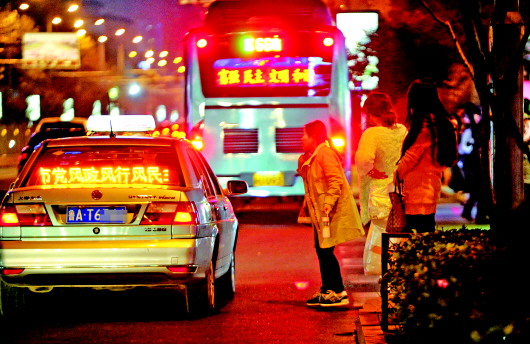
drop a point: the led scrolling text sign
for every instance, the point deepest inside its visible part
(262, 76)
(104, 175)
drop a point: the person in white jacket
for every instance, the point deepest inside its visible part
(376, 158)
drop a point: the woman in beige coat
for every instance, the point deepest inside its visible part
(327, 195)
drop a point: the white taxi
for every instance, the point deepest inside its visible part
(118, 213)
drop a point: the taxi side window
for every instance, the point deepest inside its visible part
(212, 175)
(202, 173)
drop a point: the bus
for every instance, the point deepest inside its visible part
(256, 72)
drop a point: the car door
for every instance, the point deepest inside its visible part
(221, 208)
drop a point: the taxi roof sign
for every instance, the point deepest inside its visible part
(121, 123)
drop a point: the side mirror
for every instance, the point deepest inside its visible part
(236, 187)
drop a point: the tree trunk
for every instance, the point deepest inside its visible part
(507, 110)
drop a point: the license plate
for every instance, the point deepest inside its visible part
(268, 179)
(96, 215)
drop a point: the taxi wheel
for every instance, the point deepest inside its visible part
(201, 298)
(226, 284)
(12, 300)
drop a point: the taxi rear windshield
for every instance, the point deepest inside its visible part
(117, 166)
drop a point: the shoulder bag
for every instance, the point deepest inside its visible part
(396, 217)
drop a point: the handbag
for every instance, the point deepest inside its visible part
(303, 215)
(396, 219)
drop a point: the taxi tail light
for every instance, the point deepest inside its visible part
(182, 268)
(158, 213)
(24, 215)
(11, 271)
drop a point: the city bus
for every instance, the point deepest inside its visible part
(256, 72)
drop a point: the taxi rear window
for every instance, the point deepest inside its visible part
(117, 166)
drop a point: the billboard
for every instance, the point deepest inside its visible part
(51, 50)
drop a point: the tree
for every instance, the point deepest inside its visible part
(482, 44)
(475, 49)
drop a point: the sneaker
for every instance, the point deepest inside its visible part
(315, 300)
(332, 299)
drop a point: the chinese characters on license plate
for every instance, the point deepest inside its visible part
(96, 215)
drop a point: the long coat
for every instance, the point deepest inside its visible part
(325, 183)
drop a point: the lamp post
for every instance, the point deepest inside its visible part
(120, 58)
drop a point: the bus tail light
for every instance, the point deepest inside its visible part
(24, 215)
(198, 142)
(328, 41)
(202, 43)
(196, 136)
(170, 213)
(339, 143)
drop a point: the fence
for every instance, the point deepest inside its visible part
(387, 311)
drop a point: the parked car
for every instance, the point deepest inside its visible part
(51, 128)
(118, 213)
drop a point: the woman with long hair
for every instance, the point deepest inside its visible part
(376, 157)
(334, 215)
(429, 147)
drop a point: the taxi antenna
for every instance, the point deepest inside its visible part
(112, 134)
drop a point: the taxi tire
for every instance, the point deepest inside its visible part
(201, 297)
(226, 284)
(13, 300)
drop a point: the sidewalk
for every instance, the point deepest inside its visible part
(365, 289)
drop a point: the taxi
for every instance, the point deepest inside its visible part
(107, 212)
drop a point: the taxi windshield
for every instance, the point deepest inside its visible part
(117, 166)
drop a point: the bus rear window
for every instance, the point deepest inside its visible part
(117, 166)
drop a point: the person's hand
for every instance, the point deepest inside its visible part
(327, 209)
(376, 174)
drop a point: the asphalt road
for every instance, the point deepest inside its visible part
(276, 272)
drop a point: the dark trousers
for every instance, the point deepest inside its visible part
(421, 223)
(329, 269)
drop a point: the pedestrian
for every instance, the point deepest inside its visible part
(470, 160)
(378, 152)
(329, 200)
(428, 149)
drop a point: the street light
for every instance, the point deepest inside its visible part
(73, 8)
(78, 23)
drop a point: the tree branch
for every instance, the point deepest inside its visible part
(449, 28)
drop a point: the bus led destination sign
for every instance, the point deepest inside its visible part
(263, 76)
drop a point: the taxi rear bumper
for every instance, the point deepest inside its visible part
(100, 264)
